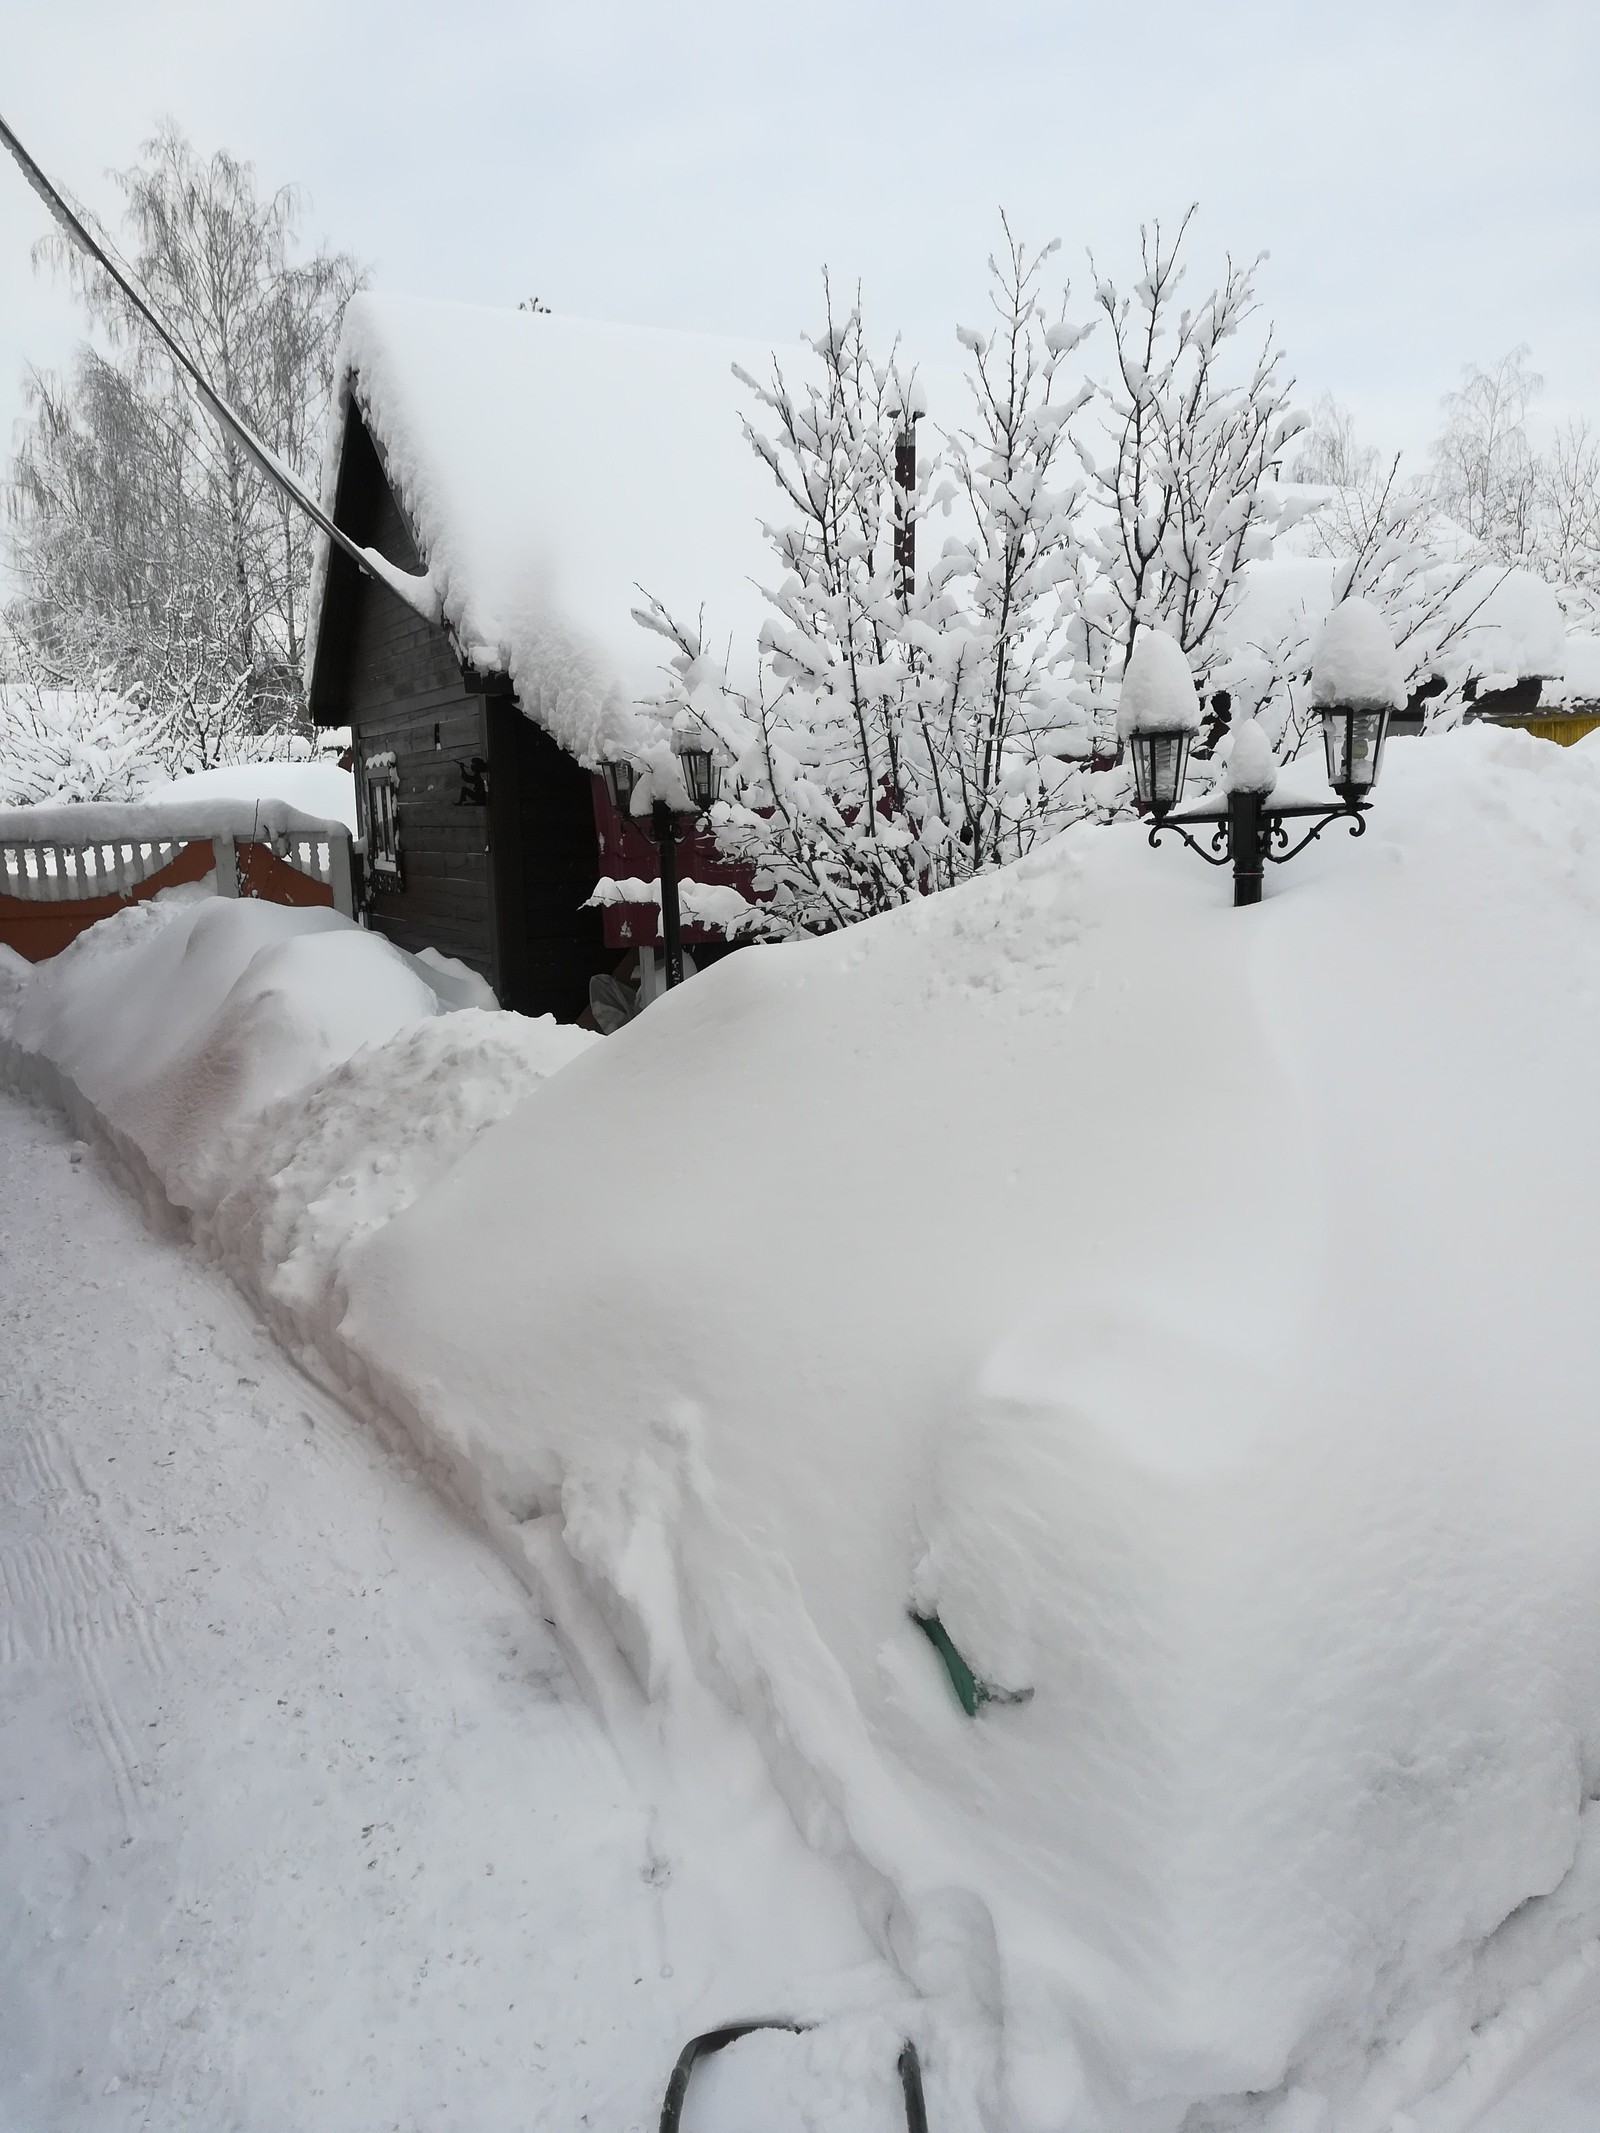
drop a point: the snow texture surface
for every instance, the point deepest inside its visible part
(1355, 663)
(1581, 672)
(1516, 627)
(308, 1822)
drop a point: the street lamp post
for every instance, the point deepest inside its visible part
(701, 774)
(1356, 685)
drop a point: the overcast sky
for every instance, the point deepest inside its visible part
(1424, 176)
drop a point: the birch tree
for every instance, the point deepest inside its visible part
(147, 546)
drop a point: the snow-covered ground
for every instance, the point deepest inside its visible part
(306, 1822)
(1191, 1306)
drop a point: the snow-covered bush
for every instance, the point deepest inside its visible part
(906, 729)
(914, 722)
(71, 744)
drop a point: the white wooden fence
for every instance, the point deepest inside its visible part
(73, 873)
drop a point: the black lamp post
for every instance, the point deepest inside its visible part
(1356, 686)
(702, 778)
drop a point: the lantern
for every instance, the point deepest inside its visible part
(1158, 718)
(1357, 684)
(1160, 764)
(621, 777)
(1353, 739)
(701, 774)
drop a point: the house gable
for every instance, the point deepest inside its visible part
(393, 678)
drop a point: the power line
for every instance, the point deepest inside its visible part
(263, 455)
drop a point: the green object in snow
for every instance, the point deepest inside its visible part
(970, 1691)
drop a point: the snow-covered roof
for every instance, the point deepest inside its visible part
(1583, 669)
(1508, 621)
(550, 468)
(1516, 628)
(1279, 598)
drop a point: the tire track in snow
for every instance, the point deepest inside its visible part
(113, 1739)
(67, 1598)
(31, 1474)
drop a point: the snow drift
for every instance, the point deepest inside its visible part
(1189, 1307)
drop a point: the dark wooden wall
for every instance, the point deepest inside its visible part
(546, 862)
(392, 677)
(502, 886)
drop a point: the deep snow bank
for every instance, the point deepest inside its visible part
(278, 1074)
(1190, 1305)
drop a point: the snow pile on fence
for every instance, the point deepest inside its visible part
(1189, 1308)
(321, 790)
(161, 815)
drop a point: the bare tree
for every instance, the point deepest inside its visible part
(1005, 716)
(1485, 472)
(1189, 493)
(148, 546)
(908, 727)
(1568, 545)
(1330, 455)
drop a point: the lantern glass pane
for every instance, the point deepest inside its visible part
(620, 781)
(700, 777)
(1354, 742)
(1159, 763)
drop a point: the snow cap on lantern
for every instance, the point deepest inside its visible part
(1252, 766)
(1158, 717)
(1357, 683)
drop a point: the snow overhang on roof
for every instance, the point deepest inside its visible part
(551, 468)
(1514, 629)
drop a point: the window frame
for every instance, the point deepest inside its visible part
(380, 786)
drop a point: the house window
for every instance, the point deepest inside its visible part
(383, 815)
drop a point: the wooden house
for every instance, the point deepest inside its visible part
(536, 476)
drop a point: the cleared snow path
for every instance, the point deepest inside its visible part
(305, 1821)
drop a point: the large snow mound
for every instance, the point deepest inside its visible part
(1190, 1307)
(271, 1065)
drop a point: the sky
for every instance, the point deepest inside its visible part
(1422, 176)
